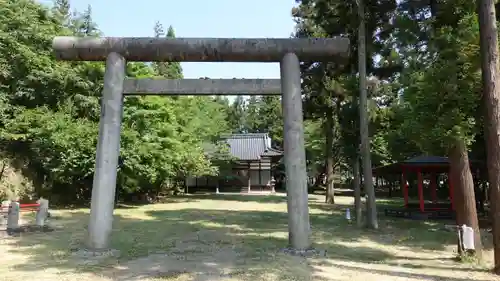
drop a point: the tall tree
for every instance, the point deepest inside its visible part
(314, 135)
(263, 115)
(175, 67)
(322, 18)
(330, 169)
(491, 97)
(83, 23)
(170, 70)
(237, 115)
(371, 208)
(158, 29)
(271, 118)
(357, 193)
(61, 10)
(441, 100)
(252, 113)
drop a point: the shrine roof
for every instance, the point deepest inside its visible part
(426, 163)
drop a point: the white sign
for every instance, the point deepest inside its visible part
(468, 237)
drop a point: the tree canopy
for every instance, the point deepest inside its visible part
(50, 111)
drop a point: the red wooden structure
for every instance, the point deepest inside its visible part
(22, 208)
(428, 165)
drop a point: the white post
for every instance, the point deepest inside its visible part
(43, 210)
(467, 237)
(13, 216)
(4, 209)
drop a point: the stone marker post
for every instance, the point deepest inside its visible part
(4, 212)
(43, 210)
(13, 216)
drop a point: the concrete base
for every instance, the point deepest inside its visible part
(93, 257)
(304, 253)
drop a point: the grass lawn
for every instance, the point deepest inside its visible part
(237, 237)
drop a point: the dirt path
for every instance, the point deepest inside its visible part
(200, 259)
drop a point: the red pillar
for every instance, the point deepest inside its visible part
(434, 188)
(420, 190)
(404, 186)
(450, 187)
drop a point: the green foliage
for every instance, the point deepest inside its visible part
(237, 115)
(315, 145)
(422, 107)
(50, 112)
(172, 70)
(330, 87)
(262, 114)
(441, 101)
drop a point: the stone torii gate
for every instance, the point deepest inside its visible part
(117, 51)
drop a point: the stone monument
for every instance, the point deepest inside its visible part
(13, 217)
(42, 213)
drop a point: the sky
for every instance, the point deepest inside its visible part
(198, 18)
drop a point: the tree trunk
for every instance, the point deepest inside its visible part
(371, 208)
(465, 201)
(3, 170)
(330, 190)
(491, 99)
(357, 192)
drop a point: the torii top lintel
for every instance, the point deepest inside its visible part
(200, 49)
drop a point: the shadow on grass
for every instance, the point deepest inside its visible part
(169, 200)
(421, 266)
(258, 198)
(419, 234)
(257, 235)
(264, 198)
(422, 234)
(393, 273)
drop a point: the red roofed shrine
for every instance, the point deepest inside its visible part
(422, 165)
